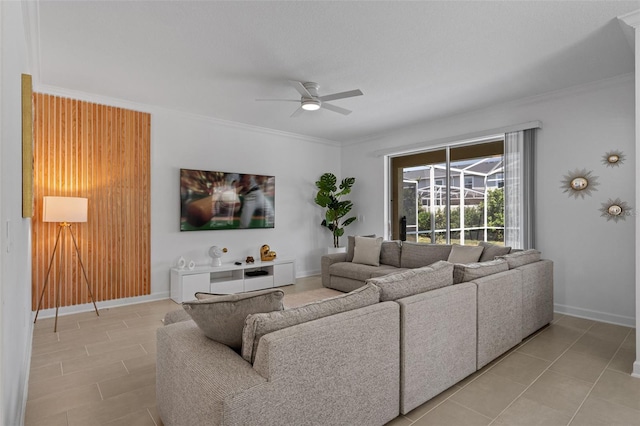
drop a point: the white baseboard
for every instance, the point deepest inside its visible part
(595, 315)
(68, 310)
(304, 274)
(27, 369)
(636, 369)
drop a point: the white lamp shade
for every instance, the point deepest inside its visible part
(64, 209)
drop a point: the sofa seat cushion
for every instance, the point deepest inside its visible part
(257, 325)
(221, 318)
(471, 271)
(359, 272)
(417, 255)
(521, 258)
(491, 251)
(413, 281)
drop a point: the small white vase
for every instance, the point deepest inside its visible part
(216, 261)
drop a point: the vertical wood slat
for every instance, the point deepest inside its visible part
(100, 152)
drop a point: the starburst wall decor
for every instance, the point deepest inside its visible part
(613, 158)
(615, 210)
(579, 183)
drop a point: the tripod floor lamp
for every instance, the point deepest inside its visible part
(64, 210)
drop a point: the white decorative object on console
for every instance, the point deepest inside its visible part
(230, 278)
(181, 263)
(192, 265)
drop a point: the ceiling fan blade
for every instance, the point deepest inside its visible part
(341, 95)
(337, 109)
(300, 88)
(280, 100)
(297, 112)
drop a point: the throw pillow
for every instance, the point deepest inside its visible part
(520, 258)
(491, 251)
(471, 271)
(351, 244)
(464, 254)
(367, 251)
(221, 318)
(257, 325)
(419, 280)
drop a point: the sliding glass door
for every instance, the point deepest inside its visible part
(450, 195)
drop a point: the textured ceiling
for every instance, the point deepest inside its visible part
(415, 61)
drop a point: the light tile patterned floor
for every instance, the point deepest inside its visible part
(101, 371)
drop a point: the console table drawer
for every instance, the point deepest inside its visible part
(258, 283)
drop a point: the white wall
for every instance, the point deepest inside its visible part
(15, 251)
(182, 141)
(594, 259)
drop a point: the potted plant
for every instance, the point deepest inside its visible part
(329, 197)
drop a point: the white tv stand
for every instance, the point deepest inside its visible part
(229, 278)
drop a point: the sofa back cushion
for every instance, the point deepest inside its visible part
(464, 254)
(221, 318)
(390, 253)
(407, 283)
(416, 255)
(471, 271)
(491, 251)
(367, 251)
(257, 325)
(520, 258)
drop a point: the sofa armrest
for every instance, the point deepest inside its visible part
(338, 370)
(328, 260)
(195, 375)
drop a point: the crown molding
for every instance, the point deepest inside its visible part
(517, 103)
(151, 109)
(632, 18)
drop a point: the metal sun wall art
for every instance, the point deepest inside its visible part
(579, 183)
(615, 210)
(613, 158)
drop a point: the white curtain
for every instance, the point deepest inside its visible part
(519, 189)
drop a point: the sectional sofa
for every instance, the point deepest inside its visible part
(361, 358)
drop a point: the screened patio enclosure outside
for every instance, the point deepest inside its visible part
(473, 199)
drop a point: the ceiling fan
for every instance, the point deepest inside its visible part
(311, 101)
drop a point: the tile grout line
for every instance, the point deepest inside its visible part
(151, 415)
(599, 377)
(540, 375)
(476, 378)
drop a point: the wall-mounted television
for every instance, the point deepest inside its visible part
(211, 200)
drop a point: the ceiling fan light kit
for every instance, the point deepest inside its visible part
(310, 104)
(311, 101)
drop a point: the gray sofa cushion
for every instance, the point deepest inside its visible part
(521, 258)
(471, 271)
(492, 250)
(413, 281)
(351, 244)
(221, 318)
(367, 251)
(173, 317)
(390, 253)
(356, 271)
(416, 255)
(464, 254)
(257, 325)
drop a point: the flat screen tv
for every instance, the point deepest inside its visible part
(212, 200)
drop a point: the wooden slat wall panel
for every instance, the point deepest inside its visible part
(83, 149)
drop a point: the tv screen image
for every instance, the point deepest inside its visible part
(211, 200)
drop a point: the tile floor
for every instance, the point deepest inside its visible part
(101, 371)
